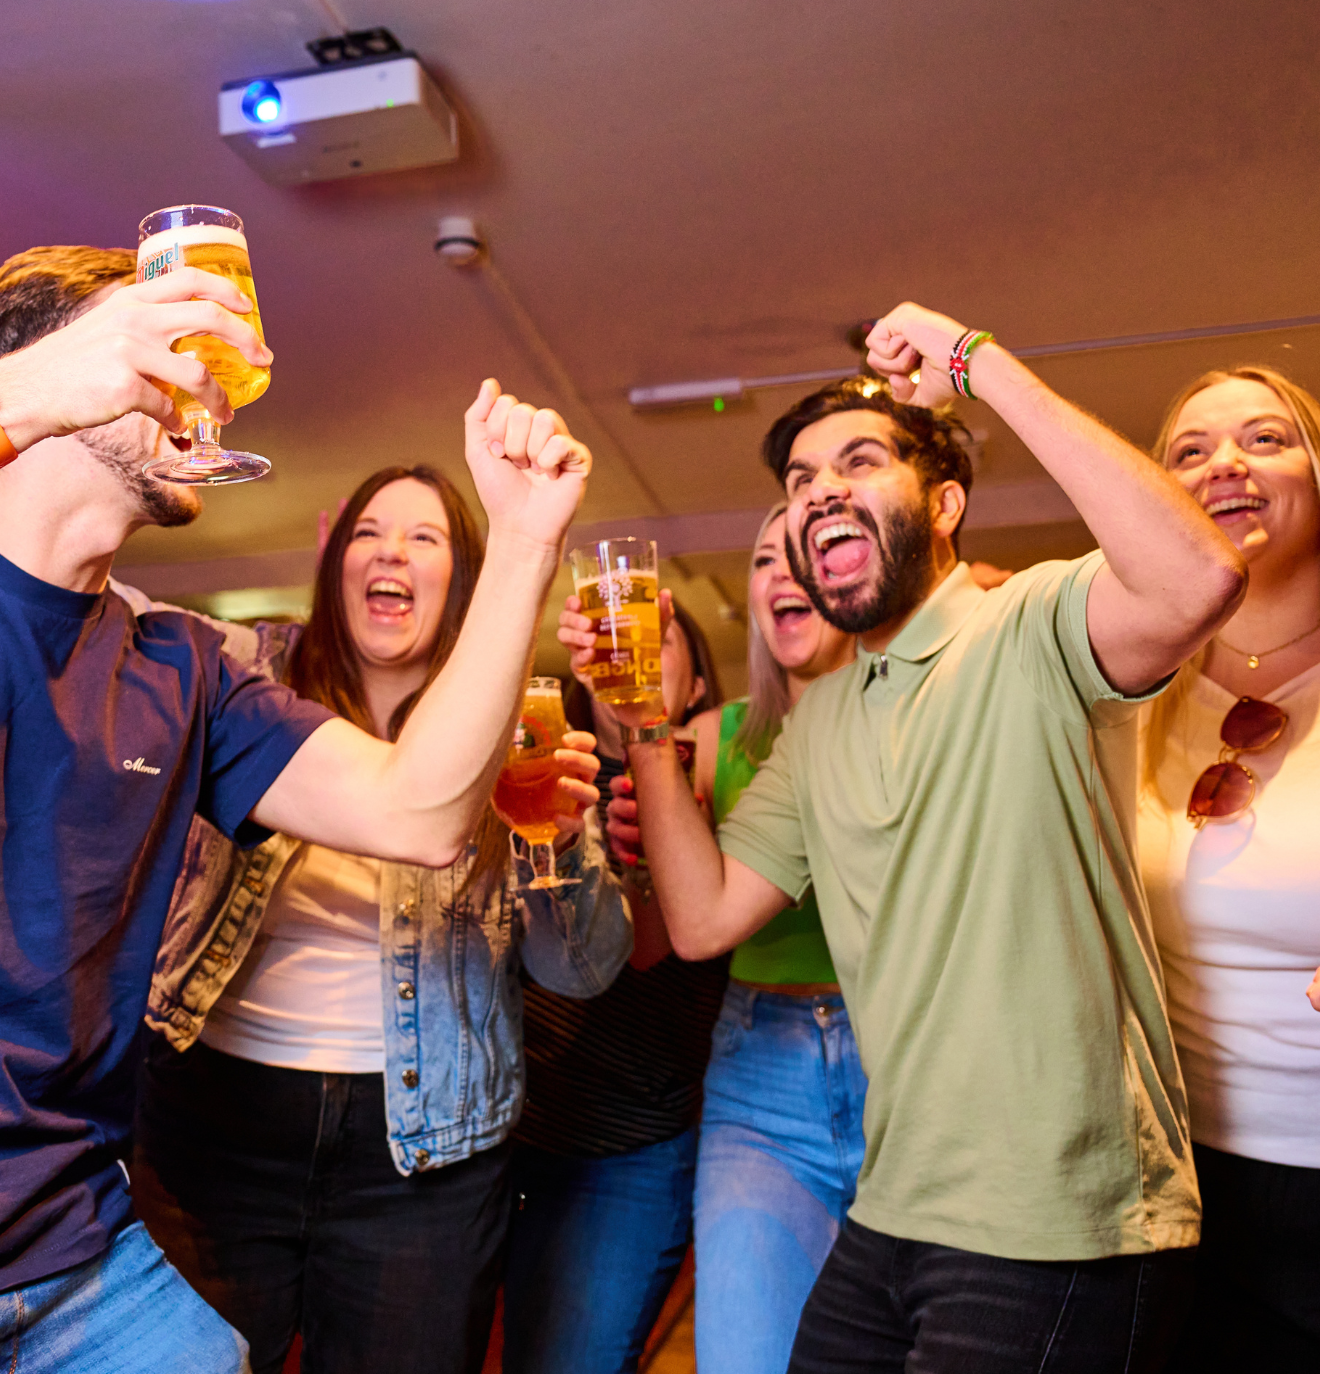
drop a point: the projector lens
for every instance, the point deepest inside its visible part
(261, 102)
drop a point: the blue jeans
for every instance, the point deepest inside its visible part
(781, 1144)
(128, 1311)
(888, 1306)
(593, 1251)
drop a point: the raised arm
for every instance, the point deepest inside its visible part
(711, 902)
(101, 366)
(419, 799)
(1170, 580)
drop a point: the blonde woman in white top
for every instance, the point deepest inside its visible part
(1230, 850)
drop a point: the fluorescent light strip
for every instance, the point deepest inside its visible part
(731, 388)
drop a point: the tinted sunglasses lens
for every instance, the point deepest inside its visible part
(1223, 790)
(1252, 724)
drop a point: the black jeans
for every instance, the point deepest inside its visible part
(909, 1307)
(274, 1193)
(1257, 1301)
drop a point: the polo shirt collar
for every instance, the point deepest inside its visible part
(944, 612)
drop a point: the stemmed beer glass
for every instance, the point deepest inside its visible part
(527, 795)
(208, 237)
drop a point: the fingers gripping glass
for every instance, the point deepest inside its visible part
(212, 239)
(618, 583)
(527, 796)
(1226, 789)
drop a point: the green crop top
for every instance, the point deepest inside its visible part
(791, 948)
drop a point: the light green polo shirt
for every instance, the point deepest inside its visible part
(965, 807)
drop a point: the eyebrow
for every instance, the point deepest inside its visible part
(861, 441)
(852, 446)
(420, 525)
(1255, 420)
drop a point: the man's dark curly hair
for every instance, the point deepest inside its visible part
(932, 441)
(44, 289)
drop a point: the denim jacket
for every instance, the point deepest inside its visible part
(449, 965)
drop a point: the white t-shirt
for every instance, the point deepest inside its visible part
(1236, 908)
(308, 994)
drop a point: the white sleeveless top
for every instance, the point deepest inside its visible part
(1236, 909)
(308, 995)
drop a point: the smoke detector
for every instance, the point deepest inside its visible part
(458, 241)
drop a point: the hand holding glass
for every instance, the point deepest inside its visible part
(618, 584)
(527, 795)
(212, 239)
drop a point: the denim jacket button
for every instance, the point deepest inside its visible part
(422, 1158)
(410, 1078)
(407, 991)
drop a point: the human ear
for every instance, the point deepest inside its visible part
(948, 503)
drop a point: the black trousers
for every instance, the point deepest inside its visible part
(1257, 1304)
(273, 1191)
(887, 1306)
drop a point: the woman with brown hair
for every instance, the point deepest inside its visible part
(322, 1139)
(1228, 826)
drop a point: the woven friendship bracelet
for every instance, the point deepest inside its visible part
(960, 360)
(7, 451)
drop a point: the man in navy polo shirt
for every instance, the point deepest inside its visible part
(114, 729)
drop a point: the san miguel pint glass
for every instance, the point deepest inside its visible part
(527, 797)
(618, 584)
(208, 237)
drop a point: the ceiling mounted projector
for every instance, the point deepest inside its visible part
(356, 117)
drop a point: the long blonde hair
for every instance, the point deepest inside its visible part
(767, 679)
(1304, 411)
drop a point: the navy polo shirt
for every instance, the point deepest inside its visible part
(114, 729)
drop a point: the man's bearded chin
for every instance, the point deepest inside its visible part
(899, 583)
(161, 503)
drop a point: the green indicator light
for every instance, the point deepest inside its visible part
(389, 104)
(718, 403)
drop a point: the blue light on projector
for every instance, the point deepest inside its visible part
(261, 102)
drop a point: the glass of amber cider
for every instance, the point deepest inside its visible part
(527, 797)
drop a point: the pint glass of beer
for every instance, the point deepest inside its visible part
(526, 797)
(618, 584)
(208, 237)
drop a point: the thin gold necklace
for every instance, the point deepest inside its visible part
(1253, 660)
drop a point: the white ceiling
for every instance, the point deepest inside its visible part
(687, 189)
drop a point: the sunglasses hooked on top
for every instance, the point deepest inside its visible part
(1226, 789)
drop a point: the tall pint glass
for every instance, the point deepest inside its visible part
(527, 795)
(618, 583)
(208, 237)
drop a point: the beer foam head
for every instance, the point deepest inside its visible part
(189, 234)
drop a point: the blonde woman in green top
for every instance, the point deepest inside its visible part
(781, 1129)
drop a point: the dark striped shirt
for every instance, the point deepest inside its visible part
(622, 1070)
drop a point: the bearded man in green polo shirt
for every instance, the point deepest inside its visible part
(962, 799)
